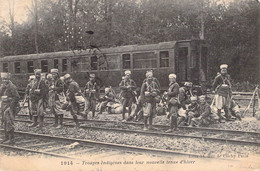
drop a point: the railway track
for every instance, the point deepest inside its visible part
(57, 146)
(208, 134)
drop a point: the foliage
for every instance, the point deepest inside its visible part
(230, 29)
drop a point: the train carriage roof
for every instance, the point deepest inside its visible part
(118, 49)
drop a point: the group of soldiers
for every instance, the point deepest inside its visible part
(61, 94)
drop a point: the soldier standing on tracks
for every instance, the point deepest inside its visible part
(38, 96)
(58, 98)
(149, 91)
(173, 102)
(10, 98)
(127, 87)
(73, 90)
(222, 88)
(91, 91)
(27, 92)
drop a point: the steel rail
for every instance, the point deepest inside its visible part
(163, 134)
(159, 126)
(109, 145)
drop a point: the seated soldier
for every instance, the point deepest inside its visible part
(235, 110)
(204, 113)
(191, 111)
(109, 97)
(185, 94)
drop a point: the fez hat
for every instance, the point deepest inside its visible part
(107, 89)
(172, 76)
(92, 75)
(149, 73)
(202, 97)
(223, 66)
(49, 76)
(5, 75)
(37, 71)
(31, 77)
(54, 70)
(127, 72)
(193, 98)
(188, 84)
(67, 76)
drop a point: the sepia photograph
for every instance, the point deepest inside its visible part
(129, 85)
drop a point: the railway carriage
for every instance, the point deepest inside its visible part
(186, 58)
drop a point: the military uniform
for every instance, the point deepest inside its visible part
(27, 93)
(222, 87)
(149, 93)
(127, 87)
(38, 96)
(73, 91)
(91, 91)
(9, 106)
(204, 113)
(57, 96)
(109, 97)
(173, 102)
(192, 112)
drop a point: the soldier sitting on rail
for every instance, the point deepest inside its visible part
(192, 111)
(91, 93)
(27, 92)
(149, 93)
(9, 106)
(127, 87)
(108, 97)
(204, 113)
(38, 96)
(74, 97)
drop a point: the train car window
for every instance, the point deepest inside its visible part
(30, 67)
(5, 67)
(75, 65)
(56, 63)
(17, 67)
(145, 60)
(84, 64)
(111, 62)
(126, 61)
(44, 65)
(164, 59)
(94, 62)
(64, 65)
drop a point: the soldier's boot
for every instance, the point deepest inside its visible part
(61, 122)
(6, 137)
(151, 123)
(189, 120)
(227, 114)
(145, 123)
(219, 116)
(41, 122)
(75, 118)
(55, 121)
(11, 137)
(101, 109)
(130, 118)
(93, 113)
(175, 123)
(171, 126)
(35, 123)
(30, 117)
(180, 120)
(123, 114)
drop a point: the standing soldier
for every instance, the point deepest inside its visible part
(10, 98)
(56, 91)
(127, 87)
(149, 90)
(173, 102)
(73, 90)
(38, 95)
(222, 88)
(27, 92)
(91, 90)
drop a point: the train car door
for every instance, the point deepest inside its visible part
(182, 64)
